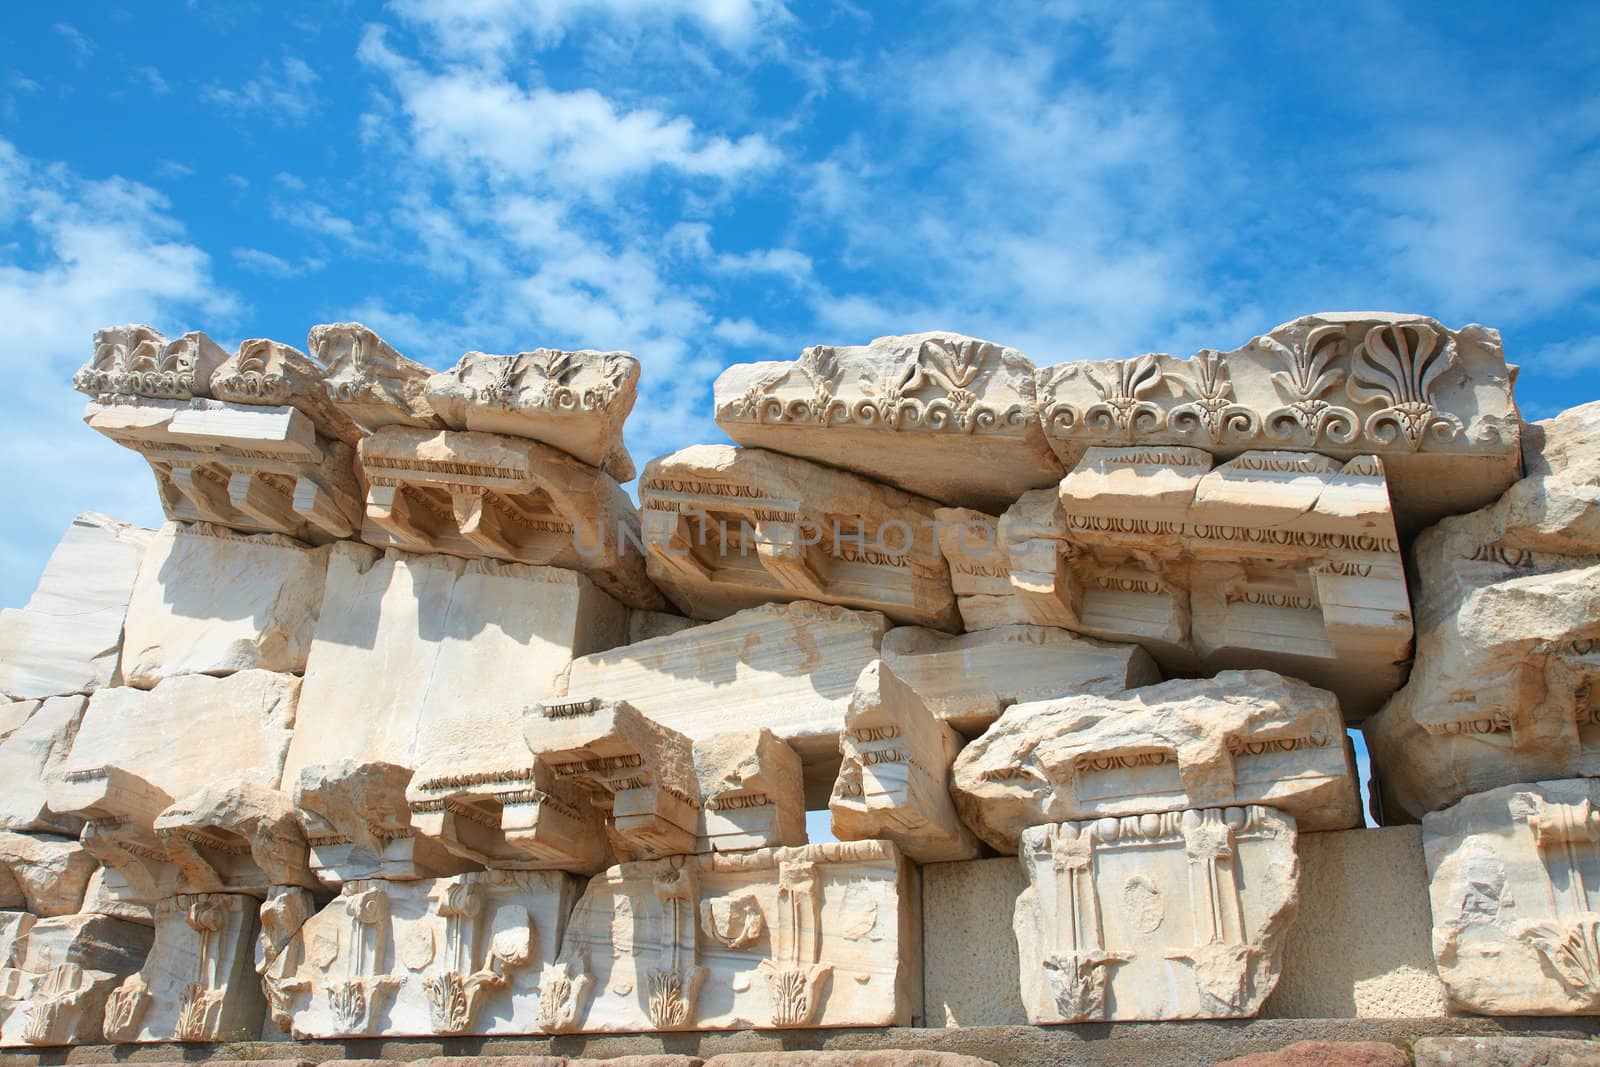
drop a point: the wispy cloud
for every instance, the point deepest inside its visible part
(284, 92)
(81, 46)
(265, 263)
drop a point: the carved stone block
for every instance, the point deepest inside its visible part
(358, 825)
(1435, 404)
(1243, 737)
(491, 495)
(967, 680)
(450, 957)
(368, 380)
(731, 528)
(817, 936)
(1514, 879)
(752, 792)
(199, 981)
(574, 401)
(787, 667)
(265, 373)
(30, 756)
(947, 417)
(417, 659)
(210, 600)
(67, 638)
(1506, 685)
(1281, 560)
(55, 981)
(1173, 916)
(138, 361)
(894, 779)
(43, 875)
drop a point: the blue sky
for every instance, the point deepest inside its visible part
(706, 183)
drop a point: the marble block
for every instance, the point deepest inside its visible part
(54, 982)
(1506, 684)
(455, 957)
(1243, 737)
(210, 600)
(68, 637)
(32, 755)
(1180, 915)
(43, 875)
(1514, 880)
(368, 380)
(816, 936)
(948, 417)
(358, 825)
(732, 528)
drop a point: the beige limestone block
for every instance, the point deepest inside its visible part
(53, 986)
(731, 528)
(948, 417)
(368, 380)
(237, 838)
(1507, 1051)
(752, 792)
(816, 936)
(210, 600)
(247, 467)
(1510, 873)
(456, 957)
(67, 638)
(1506, 684)
(475, 494)
(358, 824)
(574, 401)
(967, 680)
(199, 982)
(265, 373)
(980, 568)
(29, 757)
(787, 667)
(1282, 560)
(137, 360)
(894, 779)
(43, 875)
(1243, 737)
(417, 659)
(13, 714)
(1434, 403)
(1179, 915)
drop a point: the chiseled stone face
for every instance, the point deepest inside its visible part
(43, 875)
(455, 956)
(1243, 737)
(1506, 684)
(948, 417)
(1514, 879)
(368, 380)
(816, 936)
(1172, 916)
(213, 601)
(30, 756)
(67, 638)
(733, 528)
(59, 974)
(1434, 403)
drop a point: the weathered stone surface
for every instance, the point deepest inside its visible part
(1326, 1054)
(451, 956)
(1282, 560)
(948, 417)
(574, 401)
(210, 600)
(491, 495)
(30, 756)
(43, 875)
(873, 1058)
(67, 638)
(894, 779)
(266, 373)
(732, 528)
(1506, 685)
(1513, 875)
(138, 361)
(198, 983)
(752, 792)
(788, 667)
(822, 935)
(239, 838)
(1504, 1052)
(1099, 939)
(55, 981)
(1243, 737)
(417, 659)
(358, 824)
(967, 680)
(368, 380)
(1434, 403)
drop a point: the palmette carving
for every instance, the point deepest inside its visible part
(1090, 954)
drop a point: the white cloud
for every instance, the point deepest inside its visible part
(82, 47)
(105, 251)
(1566, 358)
(254, 259)
(284, 93)
(151, 79)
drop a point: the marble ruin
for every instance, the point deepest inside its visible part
(409, 722)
